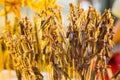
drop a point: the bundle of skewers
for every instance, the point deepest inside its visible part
(80, 53)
